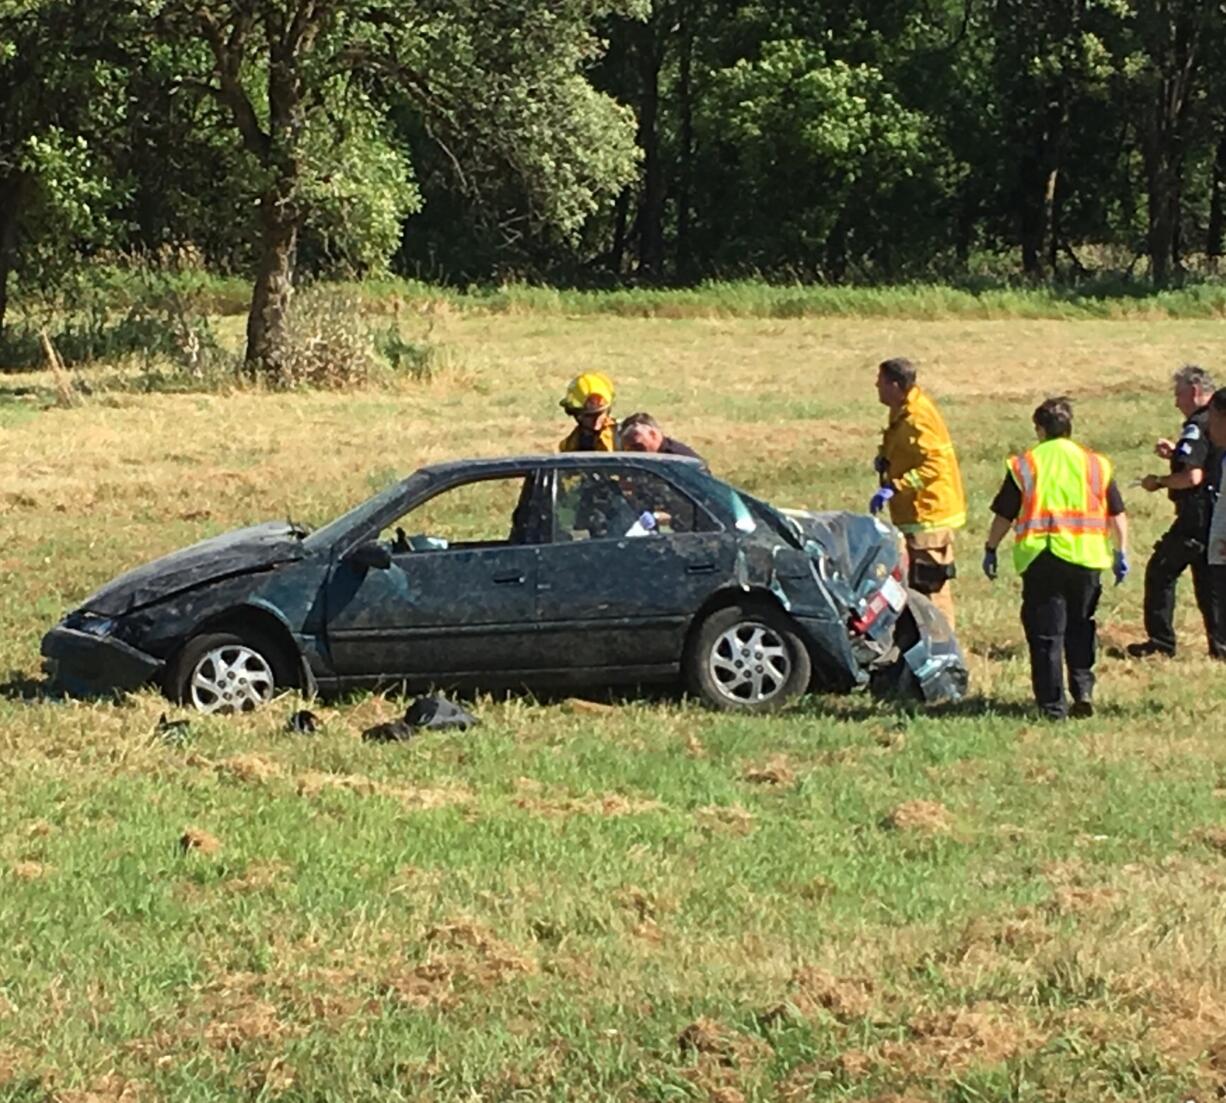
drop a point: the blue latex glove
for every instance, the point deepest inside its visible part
(1119, 566)
(989, 563)
(877, 502)
(881, 465)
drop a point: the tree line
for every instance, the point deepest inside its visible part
(662, 141)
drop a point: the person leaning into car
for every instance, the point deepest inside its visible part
(917, 469)
(1066, 511)
(642, 433)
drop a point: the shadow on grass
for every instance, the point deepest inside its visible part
(19, 686)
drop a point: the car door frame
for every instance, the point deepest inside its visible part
(646, 646)
(344, 580)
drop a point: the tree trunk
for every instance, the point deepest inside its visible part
(1033, 215)
(685, 257)
(1051, 217)
(11, 193)
(621, 214)
(1213, 242)
(651, 203)
(274, 284)
(1163, 204)
(835, 250)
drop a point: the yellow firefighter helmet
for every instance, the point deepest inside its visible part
(589, 393)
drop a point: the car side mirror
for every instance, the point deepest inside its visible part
(371, 555)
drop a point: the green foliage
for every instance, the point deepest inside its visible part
(356, 191)
(836, 126)
(414, 359)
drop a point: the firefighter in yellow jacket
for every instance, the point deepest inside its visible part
(918, 473)
(589, 400)
(1066, 512)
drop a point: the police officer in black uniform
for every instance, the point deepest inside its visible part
(1183, 545)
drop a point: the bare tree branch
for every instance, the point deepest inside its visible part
(227, 56)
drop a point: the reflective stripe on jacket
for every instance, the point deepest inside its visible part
(1064, 505)
(580, 440)
(923, 468)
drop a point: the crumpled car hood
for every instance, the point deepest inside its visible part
(249, 549)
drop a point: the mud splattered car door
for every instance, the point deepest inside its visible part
(629, 561)
(456, 597)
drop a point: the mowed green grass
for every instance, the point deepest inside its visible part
(640, 900)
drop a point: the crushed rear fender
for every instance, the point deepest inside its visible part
(936, 660)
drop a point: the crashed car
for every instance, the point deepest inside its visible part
(567, 571)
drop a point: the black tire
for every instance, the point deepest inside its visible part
(757, 632)
(261, 669)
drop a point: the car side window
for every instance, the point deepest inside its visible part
(483, 513)
(612, 504)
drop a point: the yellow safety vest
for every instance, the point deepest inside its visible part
(1064, 505)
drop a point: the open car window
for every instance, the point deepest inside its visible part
(615, 504)
(486, 513)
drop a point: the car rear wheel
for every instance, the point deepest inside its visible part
(747, 658)
(224, 672)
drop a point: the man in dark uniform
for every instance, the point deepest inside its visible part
(1183, 544)
(642, 433)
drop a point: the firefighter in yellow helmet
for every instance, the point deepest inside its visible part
(1066, 513)
(589, 400)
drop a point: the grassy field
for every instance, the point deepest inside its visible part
(633, 901)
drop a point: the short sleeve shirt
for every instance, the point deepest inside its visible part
(1192, 450)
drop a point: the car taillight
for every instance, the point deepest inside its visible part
(876, 605)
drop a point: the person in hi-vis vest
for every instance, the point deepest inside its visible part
(1068, 522)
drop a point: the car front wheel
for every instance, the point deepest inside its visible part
(747, 659)
(223, 672)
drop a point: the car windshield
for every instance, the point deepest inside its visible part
(365, 513)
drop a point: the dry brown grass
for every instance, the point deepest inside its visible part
(196, 840)
(921, 817)
(1072, 944)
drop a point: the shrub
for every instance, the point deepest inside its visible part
(328, 344)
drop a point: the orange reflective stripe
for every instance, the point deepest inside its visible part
(1024, 473)
(1061, 522)
(1094, 477)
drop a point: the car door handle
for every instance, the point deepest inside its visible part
(700, 568)
(510, 578)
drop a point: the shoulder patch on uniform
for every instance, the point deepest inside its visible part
(1184, 449)
(1190, 432)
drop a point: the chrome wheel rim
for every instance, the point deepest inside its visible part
(232, 678)
(750, 663)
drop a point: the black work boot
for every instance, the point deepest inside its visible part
(1148, 648)
(1082, 710)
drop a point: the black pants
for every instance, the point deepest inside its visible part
(1178, 549)
(1058, 604)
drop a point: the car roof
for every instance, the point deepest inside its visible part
(563, 460)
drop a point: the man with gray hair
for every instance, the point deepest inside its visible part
(642, 433)
(1183, 545)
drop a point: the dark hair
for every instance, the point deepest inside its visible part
(898, 370)
(1218, 401)
(636, 420)
(1193, 375)
(1055, 416)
